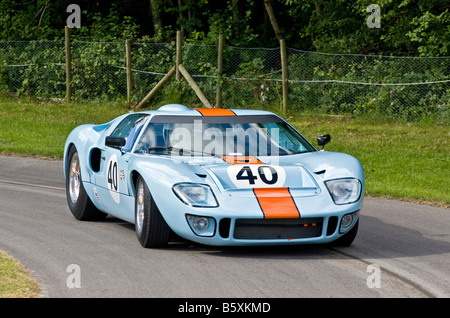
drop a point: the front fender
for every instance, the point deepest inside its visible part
(332, 165)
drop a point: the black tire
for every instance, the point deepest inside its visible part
(151, 228)
(80, 205)
(347, 238)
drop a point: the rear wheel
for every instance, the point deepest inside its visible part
(80, 205)
(151, 228)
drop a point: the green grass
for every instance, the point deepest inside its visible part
(15, 279)
(408, 161)
(39, 129)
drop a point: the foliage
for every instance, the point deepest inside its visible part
(408, 27)
(252, 77)
(432, 32)
(367, 84)
(335, 83)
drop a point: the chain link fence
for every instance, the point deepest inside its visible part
(402, 87)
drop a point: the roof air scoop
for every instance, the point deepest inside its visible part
(174, 108)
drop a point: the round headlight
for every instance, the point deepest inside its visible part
(347, 220)
(200, 223)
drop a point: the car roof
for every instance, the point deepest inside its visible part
(181, 110)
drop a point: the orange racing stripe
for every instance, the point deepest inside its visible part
(276, 203)
(234, 160)
(215, 112)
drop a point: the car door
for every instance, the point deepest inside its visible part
(112, 177)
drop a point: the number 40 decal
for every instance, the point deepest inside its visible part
(251, 176)
(112, 180)
(112, 175)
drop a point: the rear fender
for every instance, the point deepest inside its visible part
(83, 138)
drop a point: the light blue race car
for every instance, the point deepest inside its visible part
(213, 176)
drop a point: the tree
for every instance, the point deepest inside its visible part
(273, 19)
(156, 16)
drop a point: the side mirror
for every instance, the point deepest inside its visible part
(323, 140)
(115, 142)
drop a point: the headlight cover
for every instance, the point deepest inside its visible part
(344, 191)
(195, 195)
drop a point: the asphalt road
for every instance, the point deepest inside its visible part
(402, 250)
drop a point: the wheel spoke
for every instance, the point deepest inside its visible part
(140, 207)
(74, 178)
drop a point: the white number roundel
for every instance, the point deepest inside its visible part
(112, 178)
(256, 176)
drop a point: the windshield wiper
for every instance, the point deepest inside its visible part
(179, 151)
(166, 148)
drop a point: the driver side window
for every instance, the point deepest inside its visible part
(129, 129)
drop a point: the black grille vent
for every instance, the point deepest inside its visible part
(332, 223)
(264, 229)
(224, 227)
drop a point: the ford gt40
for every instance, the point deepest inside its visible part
(213, 176)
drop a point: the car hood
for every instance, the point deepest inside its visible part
(302, 171)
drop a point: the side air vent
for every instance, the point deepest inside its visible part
(96, 155)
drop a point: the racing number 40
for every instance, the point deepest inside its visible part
(246, 174)
(112, 175)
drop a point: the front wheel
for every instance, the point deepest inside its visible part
(79, 203)
(347, 238)
(151, 228)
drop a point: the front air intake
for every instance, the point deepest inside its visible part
(332, 224)
(273, 229)
(224, 227)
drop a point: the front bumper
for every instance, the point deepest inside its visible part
(239, 220)
(248, 232)
(243, 223)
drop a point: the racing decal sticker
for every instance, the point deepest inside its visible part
(94, 189)
(215, 112)
(276, 203)
(112, 179)
(256, 176)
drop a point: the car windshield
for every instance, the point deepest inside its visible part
(262, 135)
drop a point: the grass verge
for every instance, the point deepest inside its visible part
(408, 161)
(15, 279)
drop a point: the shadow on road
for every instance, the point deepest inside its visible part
(375, 239)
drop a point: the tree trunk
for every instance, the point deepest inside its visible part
(180, 19)
(273, 19)
(157, 21)
(235, 18)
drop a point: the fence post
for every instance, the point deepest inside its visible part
(194, 86)
(156, 88)
(219, 72)
(129, 74)
(68, 65)
(179, 55)
(284, 74)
